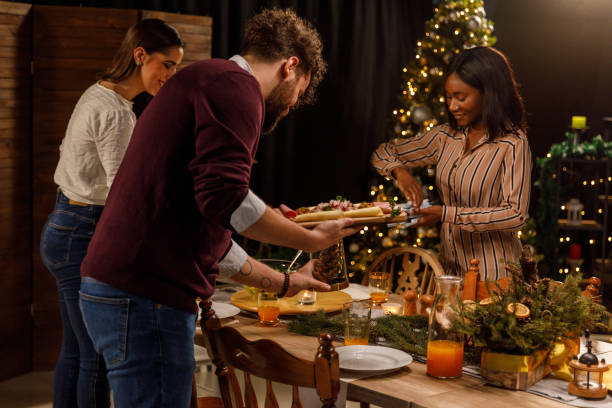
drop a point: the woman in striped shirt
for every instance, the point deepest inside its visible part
(483, 165)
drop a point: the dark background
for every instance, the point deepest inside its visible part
(561, 51)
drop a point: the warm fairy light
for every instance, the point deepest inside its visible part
(442, 49)
(362, 232)
(591, 241)
(431, 188)
(437, 37)
(599, 210)
(560, 270)
(519, 233)
(437, 26)
(601, 180)
(566, 270)
(419, 43)
(373, 193)
(581, 212)
(577, 269)
(395, 198)
(404, 92)
(404, 133)
(547, 154)
(441, 99)
(401, 111)
(405, 69)
(424, 74)
(609, 238)
(380, 234)
(369, 251)
(609, 178)
(435, 50)
(380, 186)
(418, 240)
(592, 182)
(563, 207)
(471, 35)
(366, 228)
(585, 182)
(395, 112)
(352, 262)
(554, 175)
(566, 238)
(564, 168)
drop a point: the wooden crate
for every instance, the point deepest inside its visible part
(513, 371)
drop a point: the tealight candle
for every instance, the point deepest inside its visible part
(578, 122)
(392, 308)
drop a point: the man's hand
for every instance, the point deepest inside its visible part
(430, 215)
(303, 279)
(285, 211)
(409, 186)
(328, 233)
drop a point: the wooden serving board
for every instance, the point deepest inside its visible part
(383, 219)
(328, 301)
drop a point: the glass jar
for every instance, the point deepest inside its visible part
(445, 343)
(331, 267)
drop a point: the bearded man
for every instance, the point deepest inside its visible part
(183, 187)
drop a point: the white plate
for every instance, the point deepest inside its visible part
(372, 358)
(223, 310)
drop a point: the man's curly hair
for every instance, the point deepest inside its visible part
(275, 34)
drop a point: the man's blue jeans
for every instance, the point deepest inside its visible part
(80, 375)
(147, 347)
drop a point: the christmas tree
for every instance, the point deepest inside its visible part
(456, 25)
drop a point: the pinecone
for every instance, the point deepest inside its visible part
(527, 301)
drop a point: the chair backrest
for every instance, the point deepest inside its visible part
(407, 263)
(267, 359)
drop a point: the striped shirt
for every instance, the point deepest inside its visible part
(485, 193)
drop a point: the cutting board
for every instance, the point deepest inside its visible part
(328, 301)
(383, 219)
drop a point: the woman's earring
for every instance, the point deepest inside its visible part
(139, 64)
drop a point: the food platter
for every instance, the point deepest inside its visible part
(385, 219)
(328, 301)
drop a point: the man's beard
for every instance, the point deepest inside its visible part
(276, 104)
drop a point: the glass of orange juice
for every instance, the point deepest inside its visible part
(268, 308)
(357, 322)
(379, 283)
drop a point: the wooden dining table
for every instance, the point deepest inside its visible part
(407, 387)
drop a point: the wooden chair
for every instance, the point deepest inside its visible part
(267, 359)
(408, 263)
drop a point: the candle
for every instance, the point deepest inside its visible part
(578, 122)
(392, 308)
(574, 252)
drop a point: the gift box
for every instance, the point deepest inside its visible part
(515, 372)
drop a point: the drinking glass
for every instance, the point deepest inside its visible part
(357, 322)
(379, 283)
(268, 308)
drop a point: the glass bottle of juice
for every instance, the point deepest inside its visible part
(445, 343)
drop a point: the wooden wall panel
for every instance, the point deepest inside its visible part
(72, 45)
(15, 203)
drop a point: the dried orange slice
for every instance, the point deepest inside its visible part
(488, 301)
(469, 305)
(518, 309)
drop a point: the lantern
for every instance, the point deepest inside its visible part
(588, 374)
(574, 212)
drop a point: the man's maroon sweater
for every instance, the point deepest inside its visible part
(166, 222)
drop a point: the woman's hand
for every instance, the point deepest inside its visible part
(429, 215)
(409, 186)
(330, 232)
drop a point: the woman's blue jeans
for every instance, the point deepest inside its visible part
(147, 347)
(80, 375)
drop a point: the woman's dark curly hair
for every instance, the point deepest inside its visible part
(275, 34)
(489, 71)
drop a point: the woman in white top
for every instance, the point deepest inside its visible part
(90, 154)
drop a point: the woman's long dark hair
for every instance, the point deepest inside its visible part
(489, 71)
(153, 35)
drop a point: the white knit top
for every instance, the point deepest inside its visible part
(92, 149)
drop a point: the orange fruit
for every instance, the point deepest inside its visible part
(518, 309)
